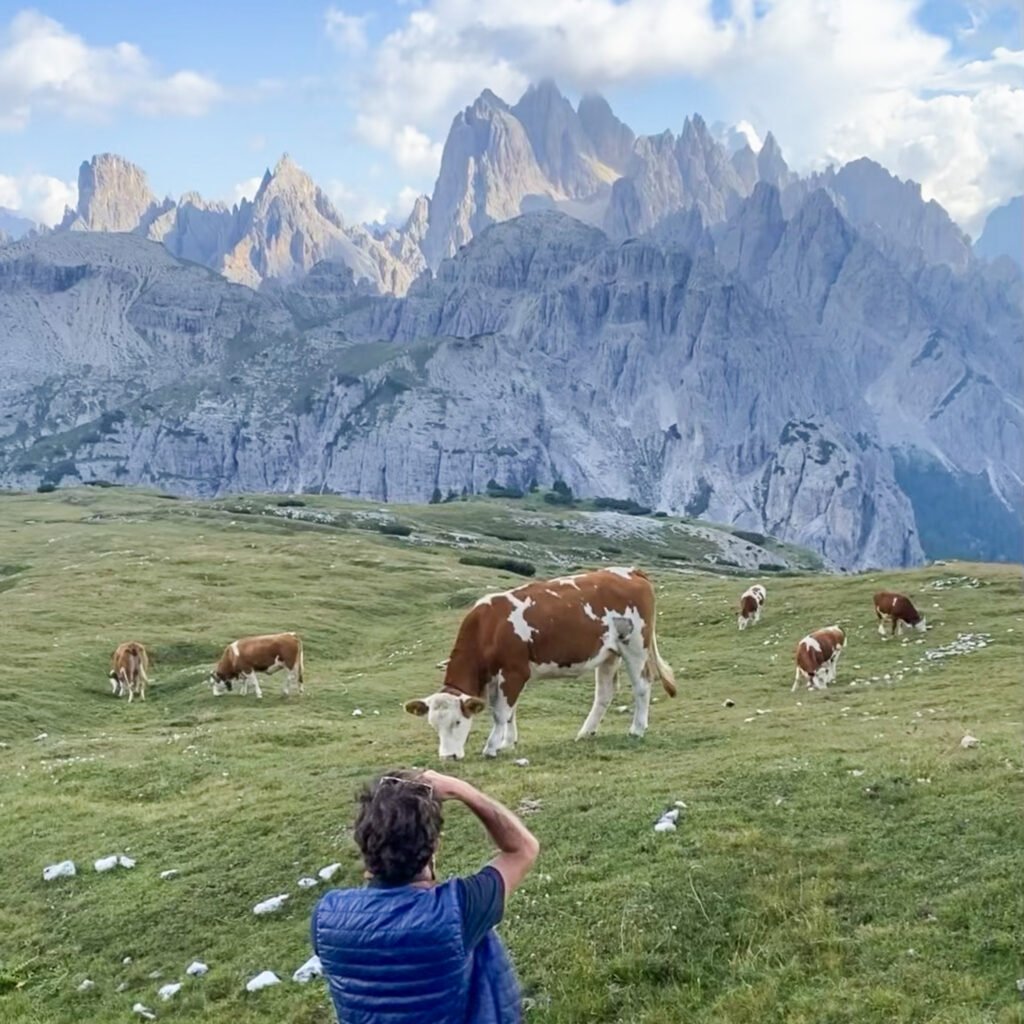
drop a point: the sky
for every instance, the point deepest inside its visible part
(205, 96)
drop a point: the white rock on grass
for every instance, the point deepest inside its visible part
(521, 762)
(667, 822)
(166, 875)
(111, 862)
(329, 872)
(272, 905)
(169, 991)
(143, 1011)
(307, 882)
(969, 741)
(65, 869)
(126, 961)
(311, 969)
(86, 985)
(357, 713)
(196, 969)
(262, 980)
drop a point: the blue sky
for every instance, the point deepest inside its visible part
(206, 95)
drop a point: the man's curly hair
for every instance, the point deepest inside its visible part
(397, 827)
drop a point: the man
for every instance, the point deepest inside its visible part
(406, 949)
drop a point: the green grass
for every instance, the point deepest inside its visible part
(793, 891)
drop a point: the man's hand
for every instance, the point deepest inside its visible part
(446, 787)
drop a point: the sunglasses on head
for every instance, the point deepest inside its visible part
(396, 780)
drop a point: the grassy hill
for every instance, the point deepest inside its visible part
(841, 857)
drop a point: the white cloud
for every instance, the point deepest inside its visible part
(832, 80)
(37, 196)
(346, 31)
(246, 189)
(355, 206)
(359, 207)
(44, 67)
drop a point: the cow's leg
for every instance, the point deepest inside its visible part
(637, 669)
(504, 732)
(255, 684)
(741, 621)
(496, 737)
(796, 681)
(604, 690)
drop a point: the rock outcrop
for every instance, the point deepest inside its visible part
(784, 376)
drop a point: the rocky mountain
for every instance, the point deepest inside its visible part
(13, 225)
(501, 160)
(659, 318)
(1003, 234)
(781, 373)
(288, 227)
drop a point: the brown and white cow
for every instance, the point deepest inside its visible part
(817, 656)
(751, 602)
(560, 627)
(896, 611)
(128, 666)
(253, 654)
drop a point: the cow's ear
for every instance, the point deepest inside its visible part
(472, 706)
(417, 707)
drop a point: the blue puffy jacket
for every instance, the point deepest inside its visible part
(396, 956)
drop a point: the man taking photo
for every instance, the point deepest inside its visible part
(406, 949)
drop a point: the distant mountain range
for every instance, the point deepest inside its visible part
(663, 318)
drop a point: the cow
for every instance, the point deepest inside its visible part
(896, 611)
(128, 666)
(252, 654)
(817, 656)
(751, 601)
(553, 628)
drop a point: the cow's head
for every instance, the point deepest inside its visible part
(920, 625)
(219, 684)
(451, 715)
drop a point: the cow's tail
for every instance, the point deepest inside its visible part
(664, 670)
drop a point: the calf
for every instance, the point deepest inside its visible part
(558, 627)
(896, 611)
(254, 654)
(817, 656)
(128, 666)
(751, 602)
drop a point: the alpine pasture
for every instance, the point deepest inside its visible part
(840, 857)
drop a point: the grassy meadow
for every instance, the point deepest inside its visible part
(840, 859)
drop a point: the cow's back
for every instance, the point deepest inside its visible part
(559, 622)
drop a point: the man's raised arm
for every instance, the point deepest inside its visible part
(517, 844)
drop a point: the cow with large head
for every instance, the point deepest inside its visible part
(269, 653)
(817, 657)
(561, 627)
(896, 611)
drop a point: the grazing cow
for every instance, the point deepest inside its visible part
(896, 611)
(128, 666)
(817, 656)
(751, 602)
(559, 627)
(254, 654)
